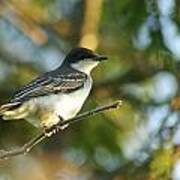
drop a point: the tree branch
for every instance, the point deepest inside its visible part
(5, 154)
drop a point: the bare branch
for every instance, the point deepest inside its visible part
(90, 24)
(5, 154)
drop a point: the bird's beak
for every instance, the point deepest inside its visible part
(100, 58)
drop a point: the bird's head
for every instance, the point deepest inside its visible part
(83, 59)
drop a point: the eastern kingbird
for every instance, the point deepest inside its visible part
(55, 95)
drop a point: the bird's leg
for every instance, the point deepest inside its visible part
(62, 127)
(49, 131)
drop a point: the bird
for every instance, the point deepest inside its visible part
(57, 95)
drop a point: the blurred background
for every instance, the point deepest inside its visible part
(139, 141)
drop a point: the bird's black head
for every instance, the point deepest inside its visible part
(82, 54)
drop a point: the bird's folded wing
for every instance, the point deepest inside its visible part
(47, 85)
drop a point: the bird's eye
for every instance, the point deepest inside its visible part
(82, 57)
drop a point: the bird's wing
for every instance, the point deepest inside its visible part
(51, 84)
(23, 94)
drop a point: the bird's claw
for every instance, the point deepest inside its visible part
(48, 133)
(53, 130)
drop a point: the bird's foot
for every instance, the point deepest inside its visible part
(62, 127)
(49, 131)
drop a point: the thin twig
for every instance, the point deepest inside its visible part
(36, 140)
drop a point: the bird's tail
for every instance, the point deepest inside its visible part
(7, 107)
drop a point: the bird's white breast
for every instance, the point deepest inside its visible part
(66, 105)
